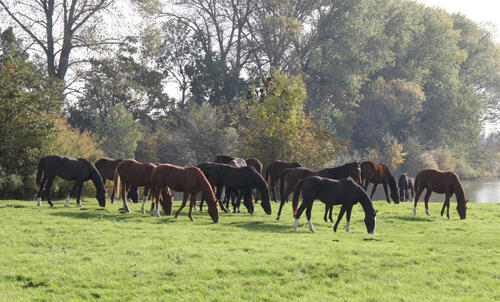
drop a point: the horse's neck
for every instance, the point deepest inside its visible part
(366, 203)
(459, 192)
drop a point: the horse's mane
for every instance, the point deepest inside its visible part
(364, 199)
(459, 189)
(94, 175)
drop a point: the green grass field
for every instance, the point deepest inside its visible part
(67, 254)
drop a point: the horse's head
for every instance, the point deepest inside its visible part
(101, 197)
(371, 222)
(213, 211)
(355, 171)
(266, 203)
(462, 209)
(394, 195)
(248, 202)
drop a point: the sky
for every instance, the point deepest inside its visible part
(481, 11)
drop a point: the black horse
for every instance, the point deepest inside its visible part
(273, 172)
(242, 179)
(106, 167)
(79, 170)
(405, 184)
(345, 192)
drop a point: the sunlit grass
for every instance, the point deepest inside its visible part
(67, 254)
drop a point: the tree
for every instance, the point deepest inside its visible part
(59, 27)
(118, 132)
(274, 126)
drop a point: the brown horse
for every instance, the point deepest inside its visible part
(376, 173)
(131, 172)
(291, 176)
(255, 163)
(441, 182)
(106, 167)
(273, 172)
(189, 180)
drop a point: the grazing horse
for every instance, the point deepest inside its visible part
(80, 170)
(441, 182)
(244, 179)
(376, 173)
(345, 192)
(131, 172)
(405, 185)
(273, 172)
(189, 180)
(106, 167)
(291, 177)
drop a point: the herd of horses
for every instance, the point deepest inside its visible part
(344, 185)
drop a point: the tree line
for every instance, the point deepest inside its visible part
(317, 81)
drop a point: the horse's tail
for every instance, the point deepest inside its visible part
(282, 183)
(268, 178)
(296, 195)
(39, 171)
(116, 185)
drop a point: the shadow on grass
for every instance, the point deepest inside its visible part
(262, 227)
(13, 206)
(412, 218)
(92, 214)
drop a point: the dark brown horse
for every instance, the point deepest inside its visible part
(255, 163)
(291, 176)
(343, 192)
(273, 172)
(106, 167)
(80, 170)
(441, 182)
(131, 172)
(405, 186)
(376, 173)
(189, 180)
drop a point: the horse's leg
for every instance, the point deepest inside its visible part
(412, 193)
(308, 215)
(330, 213)
(202, 198)
(426, 200)
(341, 213)
(191, 205)
(301, 209)
(79, 193)
(348, 219)
(417, 196)
(366, 182)
(373, 190)
(446, 205)
(384, 185)
(39, 195)
(48, 187)
(218, 195)
(282, 202)
(184, 200)
(327, 207)
(144, 198)
(125, 187)
(71, 194)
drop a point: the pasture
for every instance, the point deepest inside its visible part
(67, 254)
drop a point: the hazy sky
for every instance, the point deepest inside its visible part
(478, 10)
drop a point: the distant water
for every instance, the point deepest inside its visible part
(483, 190)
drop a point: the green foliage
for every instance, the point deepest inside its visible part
(118, 132)
(28, 104)
(104, 255)
(274, 125)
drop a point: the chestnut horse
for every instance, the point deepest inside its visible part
(372, 172)
(345, 192)
(106, 167)
(291, 176)
(189, 180)
(441, 182)
(80, 170)
(131, 172)
(273, 172)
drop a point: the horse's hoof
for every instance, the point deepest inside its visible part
(427, 212)
(66, 205)
(278, 218)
